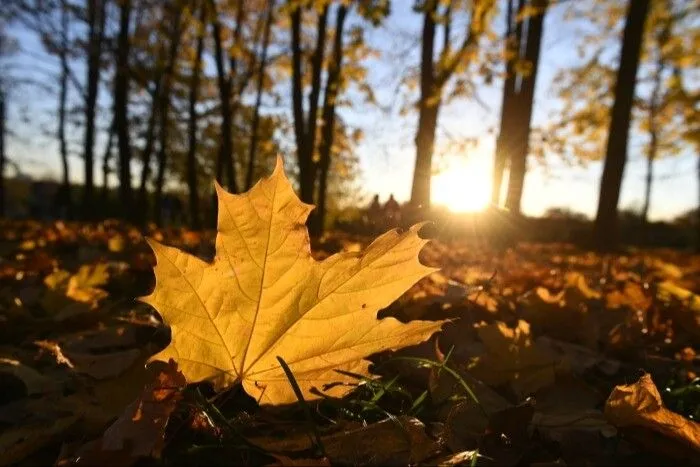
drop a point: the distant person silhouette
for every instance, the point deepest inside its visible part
(392, 211)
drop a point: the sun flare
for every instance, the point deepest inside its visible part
(464, 184)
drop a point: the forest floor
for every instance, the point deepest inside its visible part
(554, 356)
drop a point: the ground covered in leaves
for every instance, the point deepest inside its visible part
(553, 356)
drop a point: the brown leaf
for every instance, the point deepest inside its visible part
(139, 432)
(640, 405)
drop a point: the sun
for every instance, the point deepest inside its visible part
(464, 185)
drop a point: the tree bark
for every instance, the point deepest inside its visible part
(433, 80)
(305, 128)
(328, 129)
(149, 145)
(96, 21)
(195, 218)
(163, 112)
(62, 102)
(523, 114)
(503, 142)
(224, 80)
(428, 108)
(253, 146)
(121, 119)
(105, 163)
(297, 104)
(605, 229)
(3, 158)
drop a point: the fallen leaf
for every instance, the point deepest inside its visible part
(34, 382)
(395, 441)
(265, 296)
(640, 405)
(512, 357)
(140, 430)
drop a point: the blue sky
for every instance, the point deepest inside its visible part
(387, 152)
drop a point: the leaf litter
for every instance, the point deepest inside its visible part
(531, 355)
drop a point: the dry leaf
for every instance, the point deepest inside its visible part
(140, 430)
(640, 405)
(265, 296)
(512, 357)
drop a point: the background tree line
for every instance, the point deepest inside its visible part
(180, 92)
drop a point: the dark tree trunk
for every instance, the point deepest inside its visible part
(192, 129)
(121, 119)
(328, 129)
(148, 148)
(62, 101)
(605, 234)
(523, 113)
(164, 114)
(105, 164)
(428, 108)
(224, 80)
(3, 158)
(697, 209)
(305, 128)
(432, 82)
(258, 98)
(297, 104)
(314, 94)
(96, 20)
(506, 130)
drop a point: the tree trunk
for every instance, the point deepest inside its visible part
(253, 146)
(62, 101)
(105, 164)
(523, 112)
(697, 209)
(605, 227)
(305, 128)
(506, 130)
(225, 156)
(192, 129)
(121, 120)
(297, 104)
(314, 94)
(149, 144)
(96, 21)
(429, 105)
(3, 159)
(163, 113)
(328, 129)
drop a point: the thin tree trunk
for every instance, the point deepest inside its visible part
(253, 146)
(192, 128)
(525, 101)
(605, 227)
(148, 149)
(316, 68)
(121, 120)
(225, 156)
(164, 113)
(305, 128)
(105, 163)
(653, 145)
(506, 130)
(697, 209)
(96, 20)
(3, 159)
(328, 129)
(429, 105)
(297, 104)
(62, 100)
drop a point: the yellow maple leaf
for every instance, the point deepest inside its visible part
(264, 296)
